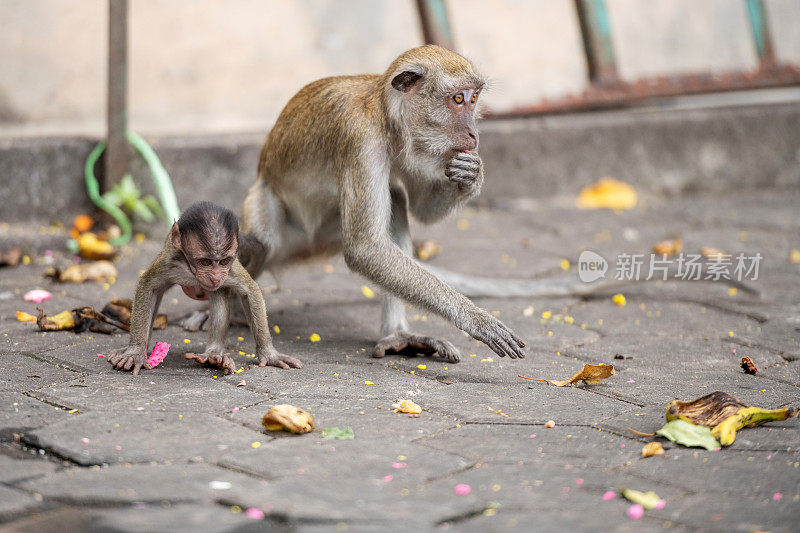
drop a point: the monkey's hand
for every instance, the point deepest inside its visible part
(275, 358)
(496, 335)
(408, 343)
(213, 358)
(466, 171)
(133, 357)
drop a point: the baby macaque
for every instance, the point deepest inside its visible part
(200, 256)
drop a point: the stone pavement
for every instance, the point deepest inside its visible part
(181, 448)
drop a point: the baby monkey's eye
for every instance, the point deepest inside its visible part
(458, 98)
(205, 262)
(225, 261)
(474, 97)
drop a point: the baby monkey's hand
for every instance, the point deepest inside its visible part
(131, 358)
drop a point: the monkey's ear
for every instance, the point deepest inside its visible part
(175, 236)
(406, 80)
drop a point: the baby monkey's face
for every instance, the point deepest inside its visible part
(210, 266)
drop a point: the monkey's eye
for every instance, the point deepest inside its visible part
(205, 262)
(474, 97)
(458, 98)
(225, 261)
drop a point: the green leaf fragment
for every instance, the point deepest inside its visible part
(336, 433)
(683, 432)
(648, 500)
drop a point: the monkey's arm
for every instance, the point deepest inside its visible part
(255, 310)
(365, 209)
(443, 192)
(149, 290)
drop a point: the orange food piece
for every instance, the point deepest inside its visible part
(83, 223)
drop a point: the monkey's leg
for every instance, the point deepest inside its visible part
(219, 316)
(395, 334)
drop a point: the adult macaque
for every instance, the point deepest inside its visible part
(200, 256)
(347, 161)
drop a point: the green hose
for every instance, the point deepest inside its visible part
(164, 189)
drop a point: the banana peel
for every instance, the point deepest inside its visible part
(77, 320)
(725, 415)
(289, 418)
(104, 271)
(91, 247)
(118, 312)
(607, 193)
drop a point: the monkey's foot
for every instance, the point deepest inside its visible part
(221, 361)
(281, 361)
(410, 344)
(195, 321)
(130, 358)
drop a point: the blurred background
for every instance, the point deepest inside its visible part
(671, 96)
(220, 66)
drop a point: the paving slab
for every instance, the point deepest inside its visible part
(150, 391)
(13, 470)
(23, 373)
(20, 413)
(142, 437)
(14, 503)
(151, 484)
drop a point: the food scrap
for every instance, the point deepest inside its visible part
(712, 254)
(427, 250)
(158, 354)
(119, 310)
(78, 320)
(669, 248)
(10, 257)
(339, 434)
(648, 500)
(652, 448)
(619, 300)
(749, 366)
(367, 292)
(407, 406)
(22, 316)
(103, 271)
(550, 424)
(499, 412)
(315, 338)
(90, 246)
(725, 415)
(607, 193)
(289, 418)
(589, 374)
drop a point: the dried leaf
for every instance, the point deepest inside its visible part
(589, 374)
(407, 406)
(688, 434)
(288, 417)
(241, 383)
(749, 366)
(336, 433)
(608, 193)
(669, 248)
(427, 250)
(648, 500)
(652, 448)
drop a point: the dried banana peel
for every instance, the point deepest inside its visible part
(289, 418)
(95, 271)
(91, 247)
(724, 414)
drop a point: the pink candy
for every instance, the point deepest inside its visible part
(462, 489)
(609, 495)
(255, 514)
(37, 296)
(387, 479)
(158, 354)
(777, 496)
(398, 465)
(635, 511)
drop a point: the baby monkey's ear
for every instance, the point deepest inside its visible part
(175, 236)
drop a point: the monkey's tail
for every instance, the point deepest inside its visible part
(483, 287)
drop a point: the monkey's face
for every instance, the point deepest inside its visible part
(461, 104)
(209, 266)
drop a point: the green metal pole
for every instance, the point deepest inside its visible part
(597, 44)
(435, 23)
(762, 37)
